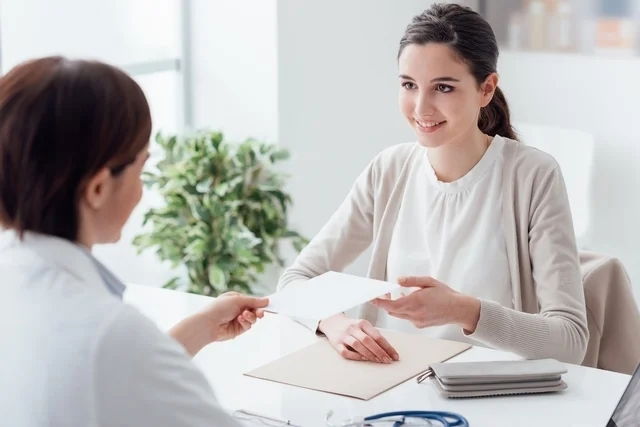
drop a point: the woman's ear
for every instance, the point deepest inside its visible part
(96, 192)
(488, 88)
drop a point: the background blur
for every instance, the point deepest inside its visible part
(320, 79)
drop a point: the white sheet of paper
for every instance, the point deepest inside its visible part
(325, 295)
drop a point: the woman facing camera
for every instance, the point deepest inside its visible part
(73, 142)
(474, 224)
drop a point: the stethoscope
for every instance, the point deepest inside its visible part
(400, 418)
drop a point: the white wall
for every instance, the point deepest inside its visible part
(116, 31)
(600, 96)
(338, 96)
(234, 67)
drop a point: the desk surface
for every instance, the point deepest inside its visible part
(589, 400)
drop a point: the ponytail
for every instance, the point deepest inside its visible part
(495, 118)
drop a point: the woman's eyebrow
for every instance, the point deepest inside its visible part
(437, 79)
(444, 79)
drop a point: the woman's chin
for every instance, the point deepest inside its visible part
(430, 141)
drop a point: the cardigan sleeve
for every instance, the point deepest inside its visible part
(559, 330)
(346, 235)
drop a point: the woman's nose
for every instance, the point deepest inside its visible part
(424, 107)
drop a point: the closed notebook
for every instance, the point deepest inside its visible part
(475, 379)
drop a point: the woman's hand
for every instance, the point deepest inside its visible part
(226, 317)
(232, 314)
(357, 339)
(432, 305)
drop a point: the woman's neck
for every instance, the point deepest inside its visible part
(85, 235)
(452, 161)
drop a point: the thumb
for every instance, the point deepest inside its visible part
(418, 282)
(252, 302)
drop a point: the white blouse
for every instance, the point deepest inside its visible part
(454, 233)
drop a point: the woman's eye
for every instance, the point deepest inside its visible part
(408, 85)
(443, 88)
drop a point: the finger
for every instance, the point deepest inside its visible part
(252, 302)
(382, 341)
(418, 281)
(360, 348)
(373, 346)
(260, 313)
(348, 354)
(386, 296)
(390, 305)
(230, 294)
(249, 316)
(244, 323)
(400, 315)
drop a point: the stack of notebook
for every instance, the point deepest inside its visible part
(475, 379)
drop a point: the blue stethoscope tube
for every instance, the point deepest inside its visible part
(448, 419)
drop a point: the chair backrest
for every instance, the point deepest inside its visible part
(612, 314)
(573, 150)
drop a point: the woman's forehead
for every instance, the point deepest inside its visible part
(430, 61)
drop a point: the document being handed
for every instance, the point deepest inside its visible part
(325, 295)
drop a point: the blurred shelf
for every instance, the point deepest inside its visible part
(551, 54)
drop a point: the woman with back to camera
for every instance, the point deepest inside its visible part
(73, 141)
(477, 223)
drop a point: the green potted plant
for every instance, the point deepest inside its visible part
(224, 212)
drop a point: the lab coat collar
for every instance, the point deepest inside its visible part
(63, 253)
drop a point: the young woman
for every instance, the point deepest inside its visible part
(73, 141)
(476, 224)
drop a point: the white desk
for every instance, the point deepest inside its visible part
(589, 400)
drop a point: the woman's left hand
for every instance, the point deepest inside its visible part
(433, 304)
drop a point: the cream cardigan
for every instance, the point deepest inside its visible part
(549, 315)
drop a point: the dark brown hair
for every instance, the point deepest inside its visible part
(61, 121)
(472, 39)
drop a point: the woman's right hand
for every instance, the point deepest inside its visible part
(357, 339)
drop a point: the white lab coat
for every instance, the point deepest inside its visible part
(73, 354)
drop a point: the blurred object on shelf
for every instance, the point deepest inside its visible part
(561, 31)
(600, 27)
(537, 24)
(615, 32)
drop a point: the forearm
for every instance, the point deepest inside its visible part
(193, 333)
(534, 336)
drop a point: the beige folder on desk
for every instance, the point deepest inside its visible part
(319, 367)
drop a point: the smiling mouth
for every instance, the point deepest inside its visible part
(428, 125)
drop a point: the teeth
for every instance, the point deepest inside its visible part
(427, 124)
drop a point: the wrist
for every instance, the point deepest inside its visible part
(330, 321)
(468, 313)
(193, 332)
